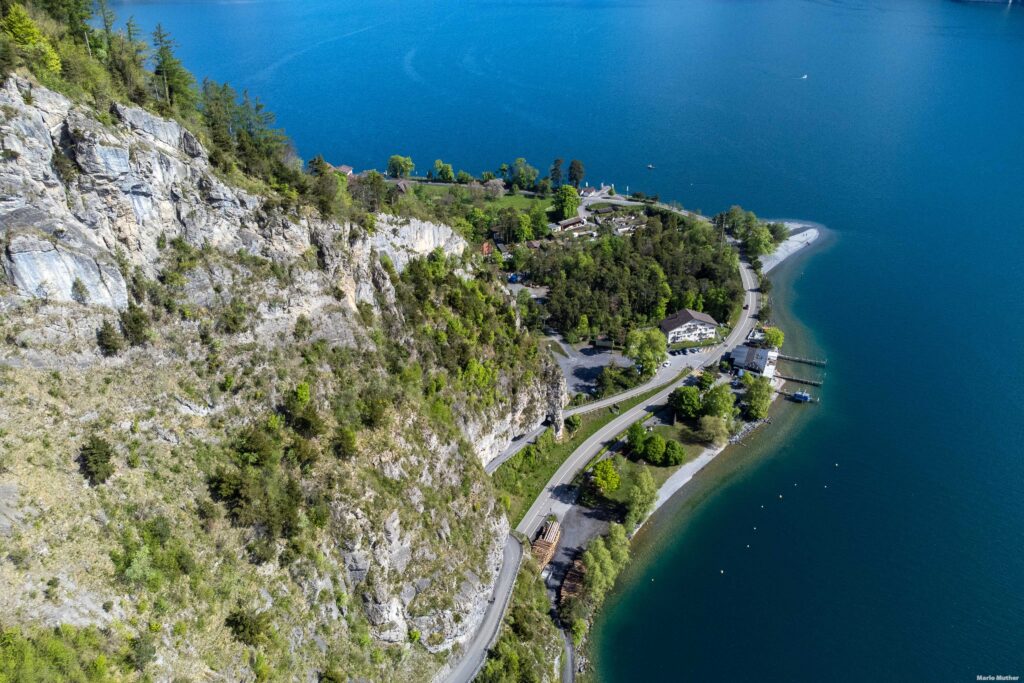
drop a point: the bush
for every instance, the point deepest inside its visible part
(248, 626)
(109, 339)
(78, 292)
(64, 653)
(345, 445)
(135, 324)
(674, 453)
(234, 318)
(654, 449)
(303, 328)
(143, 651)
(95, 457)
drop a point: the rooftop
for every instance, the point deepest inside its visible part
(683, 316)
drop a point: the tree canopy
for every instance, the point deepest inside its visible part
(399, 166)
(624, 282)
(686, 401)
(647, 349)
(567, 201)
(606, 477)
(576, 173)
(774, 337)
(719, 401)
(759, 396)
(642, 497)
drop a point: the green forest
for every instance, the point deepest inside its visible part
(617, 283)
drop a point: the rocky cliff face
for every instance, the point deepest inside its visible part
(88, 202)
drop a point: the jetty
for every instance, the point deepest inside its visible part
(800, 380)
(820, 362)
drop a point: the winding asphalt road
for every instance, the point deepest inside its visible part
(664, 375)
(555, 499)
(487, 632)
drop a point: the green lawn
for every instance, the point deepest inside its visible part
(518, 201)
(521, 479)
(629, 470)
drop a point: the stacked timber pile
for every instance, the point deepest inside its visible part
(573, 584)
(544, 547)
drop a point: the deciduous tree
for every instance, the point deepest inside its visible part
(443, 172)
(606, 477)
(642, 497)
(399, 166)
(685, 401)
(719, 402)
(774, 337)
(647, 349)
(654, 449)
(567, 201)
(758, 396)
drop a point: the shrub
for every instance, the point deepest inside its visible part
(109, 339)
(64, 166)
(303, 328)
(143, 650)
(78, 292)
(95, 457)
(248, 626)
(135, 324)
(674, 453)
(234, 318)
(345, 443)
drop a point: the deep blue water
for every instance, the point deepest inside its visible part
(906, 139)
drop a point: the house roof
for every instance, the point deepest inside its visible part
(588, 190)
(569, 222)
(755, 358)
(683, 316)
(404, 186)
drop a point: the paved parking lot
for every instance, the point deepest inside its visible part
(582, 367)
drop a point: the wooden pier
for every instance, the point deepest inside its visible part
(799, 380)
(820, 362)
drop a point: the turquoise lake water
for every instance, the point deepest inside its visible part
(906, 139)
